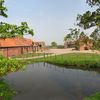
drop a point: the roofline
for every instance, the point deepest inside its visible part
(15, 46)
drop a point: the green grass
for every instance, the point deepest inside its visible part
(6, 93)
(9, 65)
(31, 55)
(93, 97)
(76, 60)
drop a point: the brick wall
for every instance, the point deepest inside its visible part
(9, 52)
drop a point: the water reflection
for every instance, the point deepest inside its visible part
(43, 81)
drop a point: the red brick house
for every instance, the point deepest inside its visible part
(15, 46)
(85, 43)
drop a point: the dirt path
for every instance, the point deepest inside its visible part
(64, 51)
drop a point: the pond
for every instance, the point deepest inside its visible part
(43, 81)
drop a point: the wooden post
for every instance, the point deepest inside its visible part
(7, 52)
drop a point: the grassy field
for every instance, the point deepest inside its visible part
(75, 60)
(31, 55)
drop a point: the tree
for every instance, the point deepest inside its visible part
(90, 19)
(76, 36)
(93, 2)
(75, 33)
(24, 29)
(53, 44)
(9, 31)
(72, 38)
(3, 9)
(68, 37)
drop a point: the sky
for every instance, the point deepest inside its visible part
(50, 19)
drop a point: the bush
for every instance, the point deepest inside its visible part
(7, 65)
(6, 93)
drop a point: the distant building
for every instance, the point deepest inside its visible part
(85, 44)
(69, 44)
(39, 46)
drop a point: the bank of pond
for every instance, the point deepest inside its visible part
(71, 60)
(77, 77)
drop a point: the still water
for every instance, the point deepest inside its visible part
(43, 81)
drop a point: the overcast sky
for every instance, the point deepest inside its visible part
(50, 19)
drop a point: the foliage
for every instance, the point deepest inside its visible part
(79, 60)
(6, 93)
(9, 65)
(93, 2)
(8, 30)
(77, 36)
(68, 37)
(53, 44)
(3, 9)
(93, 97)
(75, 33)
(71, 60)
(90, 19)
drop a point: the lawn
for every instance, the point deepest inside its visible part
(76, 60)
(31, 55)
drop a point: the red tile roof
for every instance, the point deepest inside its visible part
(13, 42)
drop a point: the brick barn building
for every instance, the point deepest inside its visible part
(85, 43)
(15, 46)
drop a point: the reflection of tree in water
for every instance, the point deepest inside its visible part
(6, 92)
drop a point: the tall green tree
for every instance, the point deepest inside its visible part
(90, 19)
(9, 31)
(93, 2)
(68, 37)
(75, 33)
(3, 9)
